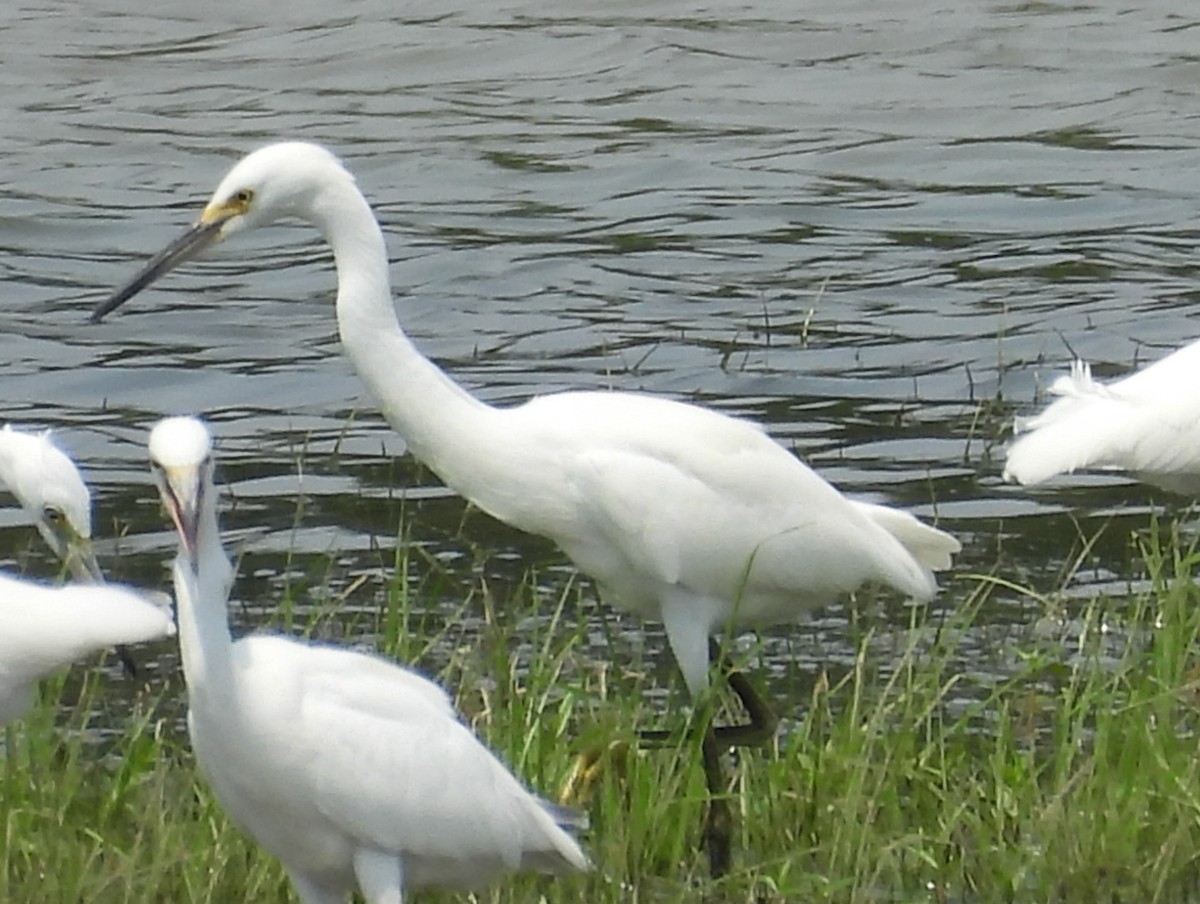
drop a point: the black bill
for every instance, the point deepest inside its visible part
(183, 249)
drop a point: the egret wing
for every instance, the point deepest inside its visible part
(43, 628)
(396, 770)
(733, 524)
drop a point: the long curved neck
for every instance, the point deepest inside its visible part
(205, 643)
(444, 426)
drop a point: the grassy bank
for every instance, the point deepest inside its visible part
(900, 777)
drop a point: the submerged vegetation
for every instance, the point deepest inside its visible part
(1070, 776)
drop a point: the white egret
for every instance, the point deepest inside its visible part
(44, 629)
(1147, 423)
(48, 486)
(350, 769)
(681, 514)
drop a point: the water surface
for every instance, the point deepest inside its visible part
(879, 229)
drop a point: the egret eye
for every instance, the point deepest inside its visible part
(243, 196)
(53, 514)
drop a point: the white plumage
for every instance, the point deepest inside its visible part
(349, 769)
(44, 629)
(1147, 423)
(49, 488)
(680, 513)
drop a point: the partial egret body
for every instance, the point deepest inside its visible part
(354, 772)
(44, 629)
(681, 514)
(1147, 423)
(49, 488)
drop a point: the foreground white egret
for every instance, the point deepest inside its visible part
(44, 629)
(349, 769)
(1147, 423)
(681, 514)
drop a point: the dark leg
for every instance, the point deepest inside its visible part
(760, 729)
(127, 661)
(717, 832)
(757, 731)
(718, 820)
(762, 720)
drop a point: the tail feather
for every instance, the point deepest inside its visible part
(1076, 431)
(568, 818)
(932, 548)
(562, 853)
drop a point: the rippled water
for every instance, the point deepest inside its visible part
(878, 228)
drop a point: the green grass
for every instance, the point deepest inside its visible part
(1069, 775)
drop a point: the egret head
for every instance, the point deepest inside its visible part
(275, 182)
(181, 460)
(47, 485)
